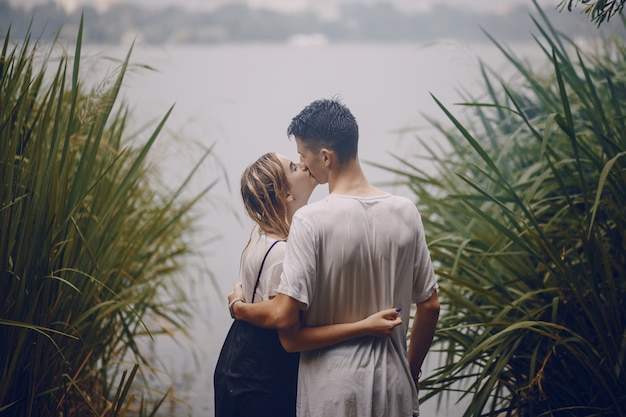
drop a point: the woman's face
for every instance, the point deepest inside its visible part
(301, 182)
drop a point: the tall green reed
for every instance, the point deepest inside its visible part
(526, 219)
(88, 241)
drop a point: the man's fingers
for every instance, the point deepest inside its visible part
(236, 292)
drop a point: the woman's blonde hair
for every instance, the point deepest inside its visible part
(264, 190)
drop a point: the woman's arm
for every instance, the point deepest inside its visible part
(297, 338)
(282, 313)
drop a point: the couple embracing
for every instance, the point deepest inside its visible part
(334, 280)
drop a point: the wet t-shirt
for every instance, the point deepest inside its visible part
(272, 269)
(349, 257)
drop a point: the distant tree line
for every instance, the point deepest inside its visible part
(238, 23)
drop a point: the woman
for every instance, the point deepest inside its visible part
(273, 188)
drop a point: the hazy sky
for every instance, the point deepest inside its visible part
(324, 7)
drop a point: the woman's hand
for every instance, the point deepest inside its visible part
(381, 324)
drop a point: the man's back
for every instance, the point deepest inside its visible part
(348, 257)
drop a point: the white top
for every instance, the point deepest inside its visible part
(347, 258)
(272, 269)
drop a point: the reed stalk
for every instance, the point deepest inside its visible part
(526, 222)
(89, 243)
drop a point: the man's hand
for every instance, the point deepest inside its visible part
(234, 297)
(382, 323)
(237, 292)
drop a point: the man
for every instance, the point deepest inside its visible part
(357, 251)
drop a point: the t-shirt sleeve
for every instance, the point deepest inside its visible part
(299, 267)
(424, 278)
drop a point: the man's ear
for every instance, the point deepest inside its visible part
(327, 156)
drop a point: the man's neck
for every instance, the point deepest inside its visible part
(349, 179)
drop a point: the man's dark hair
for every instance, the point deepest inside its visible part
(327, 123)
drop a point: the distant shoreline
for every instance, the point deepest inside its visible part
(376, 23)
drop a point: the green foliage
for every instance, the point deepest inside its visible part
(599, 10)
(526, 220)
(88, 243)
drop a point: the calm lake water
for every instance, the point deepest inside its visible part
(240, 99)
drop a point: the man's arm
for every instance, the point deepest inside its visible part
(297, 338)
(422, 333)
(280, 312)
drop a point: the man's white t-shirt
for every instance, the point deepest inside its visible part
(349, 257)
